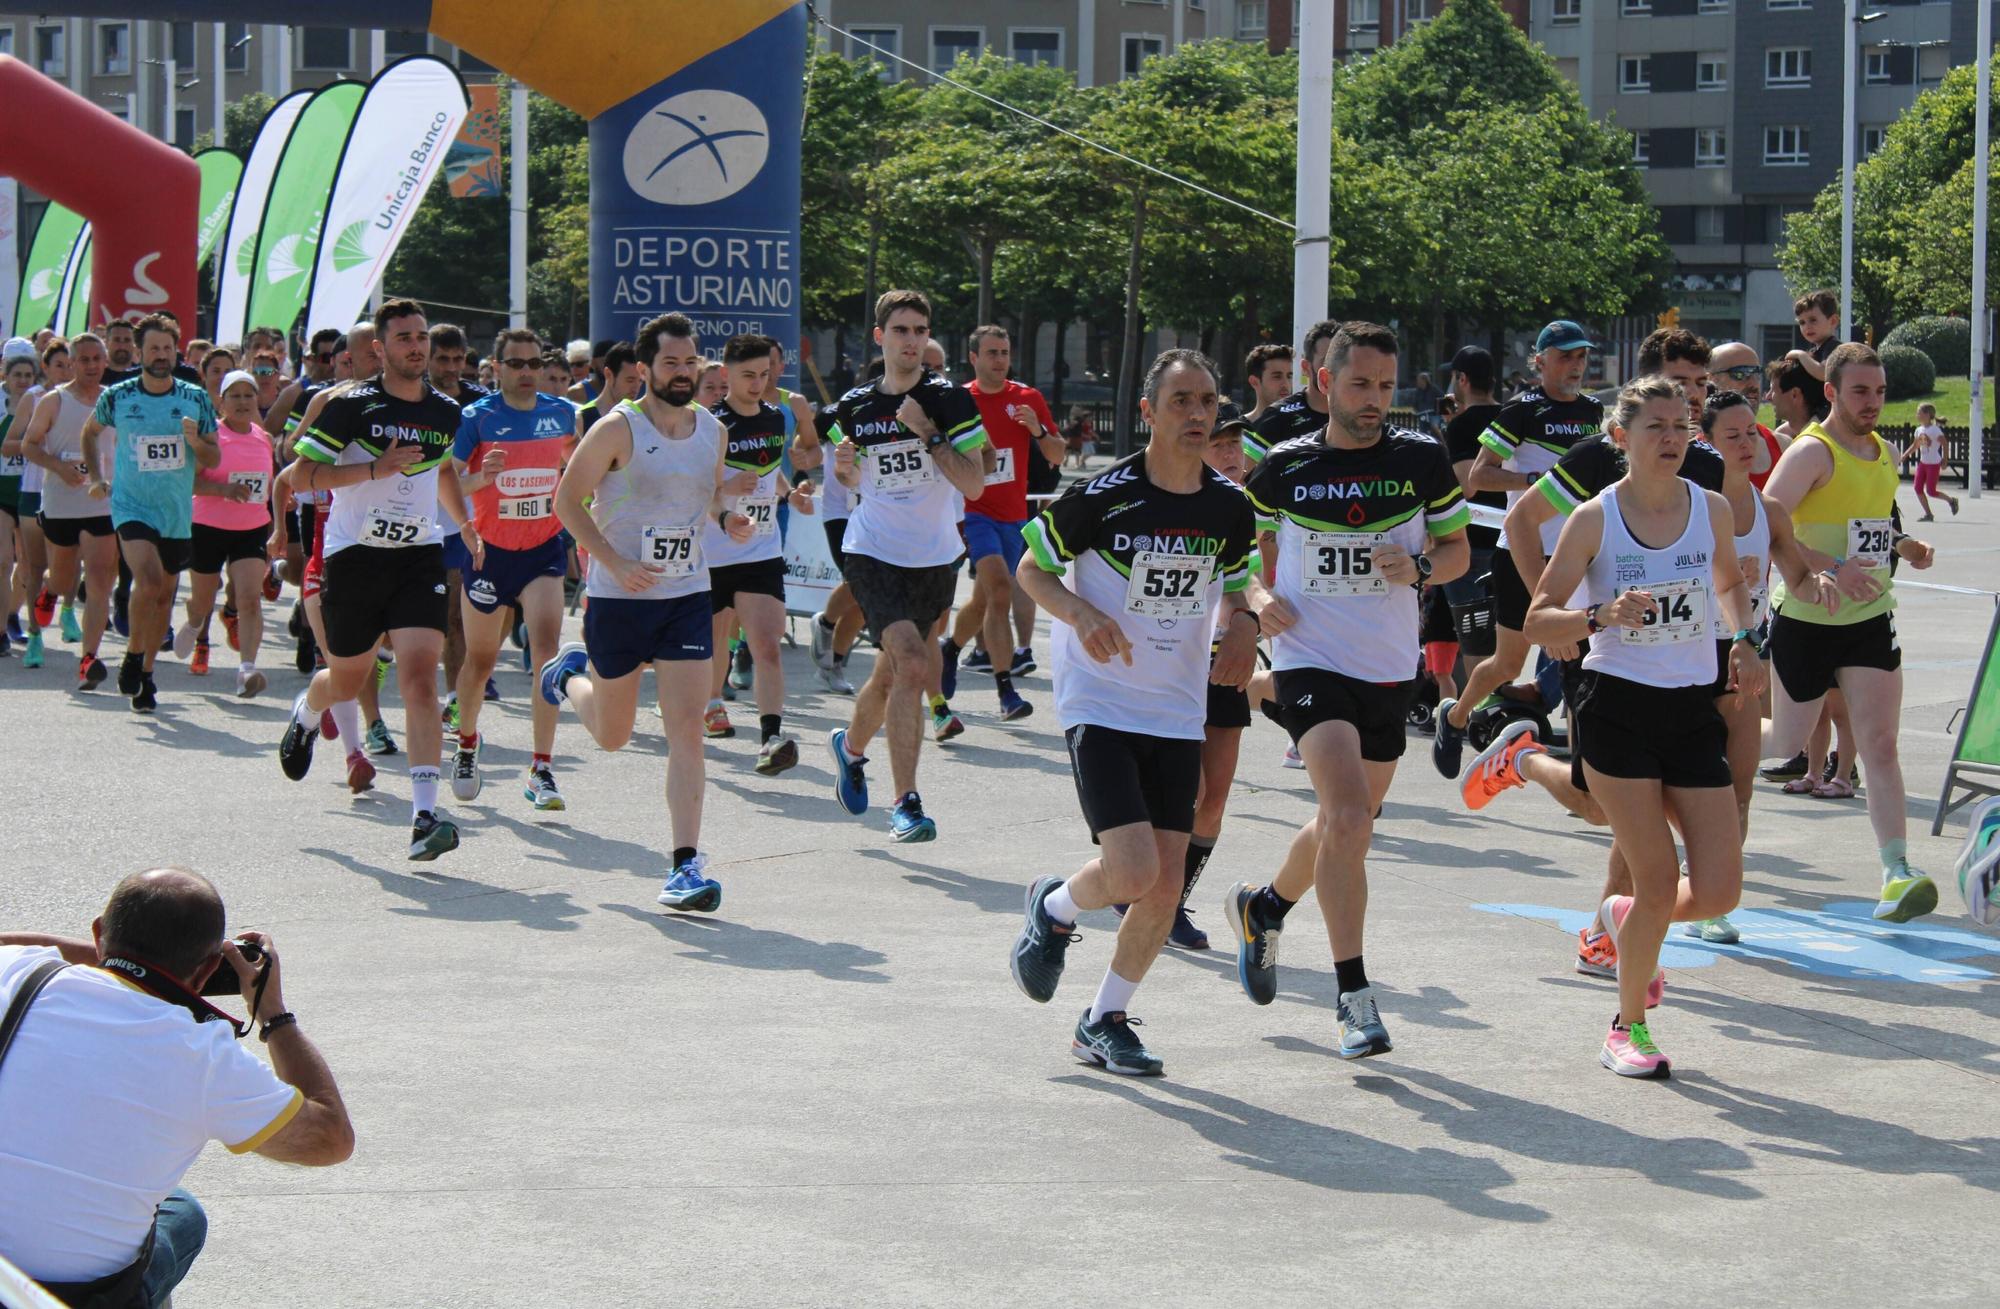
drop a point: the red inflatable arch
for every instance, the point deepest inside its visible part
(141, 196)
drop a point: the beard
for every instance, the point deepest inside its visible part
(160, 369)
(679, 392)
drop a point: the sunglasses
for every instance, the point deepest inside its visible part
(521, 363)
(324, 356)
(1740, 373)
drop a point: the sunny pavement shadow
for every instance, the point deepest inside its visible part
(461, 900)
(713, 940)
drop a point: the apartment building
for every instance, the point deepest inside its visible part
(126, 66)
(1735, 107)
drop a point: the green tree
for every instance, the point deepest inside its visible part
(854, 120)
(240, 121)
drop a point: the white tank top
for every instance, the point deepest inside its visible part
(65, 442)
(653, 508)
(1675, 647)
(1753, 557)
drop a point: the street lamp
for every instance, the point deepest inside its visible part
(126, 98)
(170, 71)
(1849, 129)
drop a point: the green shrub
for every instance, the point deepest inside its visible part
(1910, 371)
(1947, 341)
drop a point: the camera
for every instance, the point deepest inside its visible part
(223, 981)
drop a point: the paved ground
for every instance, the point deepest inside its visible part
(831, 1093)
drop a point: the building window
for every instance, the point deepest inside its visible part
(1787, 66)
(888, 42)
(1635, 8)
(52, 51)
(469, 62)
(1033, 45)
(1252, 19)
(1364, 16)
(236, 47)
(1711, 72)
(1786, 147)
(1138, 49)
(1420, 11)
(1875, 65)
(1635, 73)
(1788, 4)
(1566, 11)
(1871, 139)
(7, 39)
(1714, 6)
(114, 49)
(325, 47)
(1711, 147)
(948, 43)
(1933, 62)
(400, 45)
(184, 126)
(183, 45)
(1708, 224)
(1642, 149)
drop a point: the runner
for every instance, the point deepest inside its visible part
(1927, 448)
(636, 495)
(1838, 482)
(836, 627)
(74, 523)
(910, 445)
(1649, 737)
(1523, 441)
(33, 592)
(1343, 619)
(620, 378)
(232, 531)
(383, 447)
(1304, 411)
(747, 578)
(1015, 417)
(17, 374)
(1267, 371)
(1156, 539)
(1733, 366)
(509, 455)
(162, 429)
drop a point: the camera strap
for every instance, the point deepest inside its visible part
(161, 985)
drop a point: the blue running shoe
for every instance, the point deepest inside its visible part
(14, 628)
(1448, 746)
(1361, 1030)
(691, 889)
(948, 678)
(569, 661)
(1013, 708)
(1112, 1045)
(850, 784)
(909, 823)
(492, 689)
(1043, 943)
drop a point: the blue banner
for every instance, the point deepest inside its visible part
(694, 195)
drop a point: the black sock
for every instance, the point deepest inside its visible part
(1198, 851)
(1349, 975)
(682, 853)
(770, 724)
(1271, 906)
(1004, 680)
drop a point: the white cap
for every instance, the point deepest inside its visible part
(232, 377)
(17, 347)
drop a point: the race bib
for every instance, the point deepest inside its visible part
(899, 466)
(161, 454)
(1870, 541)
(256, 481)
(1167, 585)
(1341, 563)
(762, 511)
(1003, 468)
(672, 550)
(395, 527)
(13, 465)
(1760, 605)
(1679, 613)
(526, 508)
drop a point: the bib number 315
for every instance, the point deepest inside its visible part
(1341, 563)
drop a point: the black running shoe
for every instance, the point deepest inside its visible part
(131, 672)
(1256, 944)
(147, 699)
(1789, 771)
(1448, 746)
(431, 836)
(1111, 1044)
(90, 673)
(1037, 959)
(295, 752)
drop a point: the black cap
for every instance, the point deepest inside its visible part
(1477, 365)
(1229, 414)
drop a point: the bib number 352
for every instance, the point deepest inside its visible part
(388, 527)
(1167, 585)
(1341, 563)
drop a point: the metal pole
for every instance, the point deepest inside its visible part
(517, 227)
(378, 57)
(1315, 166)
(1849, 49)
(1976, 441)
(220, 56)
(173, 102)
(283, 47)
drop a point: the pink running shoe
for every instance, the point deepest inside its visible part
(1630, 1052)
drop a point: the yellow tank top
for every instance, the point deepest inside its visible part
(1848, 517)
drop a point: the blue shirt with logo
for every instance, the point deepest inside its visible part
(146, 485)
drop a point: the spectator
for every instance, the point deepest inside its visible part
(119, 1073)
(1424, 400)
(1080, 435)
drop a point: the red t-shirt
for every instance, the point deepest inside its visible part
(1770, 444)
(1006, 497)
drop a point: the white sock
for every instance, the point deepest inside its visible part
(1060, 907)
(246, 668)
(423, 790)
(301, 714)
(1113, 996)
(347, 722)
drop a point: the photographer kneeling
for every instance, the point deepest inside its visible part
(114, 1073)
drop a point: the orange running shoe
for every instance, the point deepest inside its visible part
(198, 666)
(360, 773)
(1595, 955)
(1497, 767)
(229, 628)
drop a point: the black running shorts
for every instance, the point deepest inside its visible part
(174, 551)
(215, 548)
(1380, 712)
(889, 594)
(1673, 734)
(1808, 657)
(1510, 593)
(759, 577)
(69, 532)
(1124, 778)
(367, 590)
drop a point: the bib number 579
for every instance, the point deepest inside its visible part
(672, 549)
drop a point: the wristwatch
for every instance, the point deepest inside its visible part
(1590, 620)
(934, 440)
(1743, 635)
(1424, 567)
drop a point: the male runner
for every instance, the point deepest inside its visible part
(383, 447)
(1303, 411)
(509, 456)
(1267, 370)
(619, 378)
(1154, 539)
(1015, 417)
(447, 374)
(835, 628)
(905, 444)
(162, 429)
(1733, 366)
(747, 578)
(1472, 378)
(121, 351)
(1365, 516)
(1523, 441)
(75, 525)
(34, 574)
(1839, 481)
(638, 492)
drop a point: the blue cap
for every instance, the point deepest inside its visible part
(1563, 334)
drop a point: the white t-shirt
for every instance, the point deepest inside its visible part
(107, 1097)
(1930, 443)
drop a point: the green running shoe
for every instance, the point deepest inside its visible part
(32, 656)
(1906, 894)
(1716, 931)
(72, 631)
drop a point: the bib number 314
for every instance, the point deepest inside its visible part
(1167, 585)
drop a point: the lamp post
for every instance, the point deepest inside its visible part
(1848, 131)
(1976, 440)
